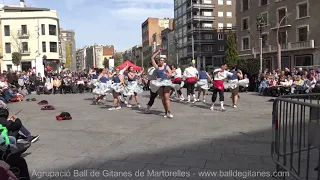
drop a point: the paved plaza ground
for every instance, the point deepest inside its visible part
(98, 141)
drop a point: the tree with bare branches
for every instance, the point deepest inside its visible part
(18, 40)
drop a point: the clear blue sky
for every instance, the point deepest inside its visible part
(111, 22)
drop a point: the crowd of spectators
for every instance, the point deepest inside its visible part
(294, 81)
(15, 83)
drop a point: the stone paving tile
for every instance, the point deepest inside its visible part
(225, 166)
(215, 149)
(190, 162)
(241, 158)
(202, 155)
(149, 159)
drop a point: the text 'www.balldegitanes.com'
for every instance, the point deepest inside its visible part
(153, 173)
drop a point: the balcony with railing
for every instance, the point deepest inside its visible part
(200, 17)
(25, 52)
(204, 18)
(200, 29)
(201, 41)
(290, 46)
(23, 34)
(198, 6)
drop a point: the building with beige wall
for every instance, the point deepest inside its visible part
(68, 43)
(31, 31)
(151, 34)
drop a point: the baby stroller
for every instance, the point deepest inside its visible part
(40, 88)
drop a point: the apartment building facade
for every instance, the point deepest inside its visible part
(98, 56)
(31, 31)
(298, 33)
(81, 59)
(200, 28)
(136, 56)
(168, 45)
(68, 43)
(151, 34)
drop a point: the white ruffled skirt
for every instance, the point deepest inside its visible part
(203, 84)
(156, 84)
(233, 84)
(116, 88)
(93, 82)
(132, 87)
(102, 88)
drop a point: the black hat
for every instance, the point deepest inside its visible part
(64, 116)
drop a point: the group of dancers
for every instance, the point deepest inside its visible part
(163, 82)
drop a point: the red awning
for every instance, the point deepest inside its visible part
(123, 65)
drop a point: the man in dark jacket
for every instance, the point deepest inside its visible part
(14, 126)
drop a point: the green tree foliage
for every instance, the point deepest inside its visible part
(231, 52)
(118, 59)
(106, 63)
(16, 58)
(250, 67)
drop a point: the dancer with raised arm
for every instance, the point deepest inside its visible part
(202, 83)
(133, 88)
(218, 84)
(163, 84)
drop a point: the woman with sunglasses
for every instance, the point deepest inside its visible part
(163, 83)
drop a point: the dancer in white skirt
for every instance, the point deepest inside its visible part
(202, 84)
(191, 75)
(163, 84)
(95, 74)
(133, 88)
(94, 83)
(117, 88)
(233, 85)
(103, 85)
(177, 79)
(218, 84)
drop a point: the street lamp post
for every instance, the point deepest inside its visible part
(175, 41)
(278, 43)
(255, 45)
(260, 25)
(192, 41)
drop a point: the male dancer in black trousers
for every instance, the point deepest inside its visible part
(152, 75)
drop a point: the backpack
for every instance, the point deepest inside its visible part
(4, 133)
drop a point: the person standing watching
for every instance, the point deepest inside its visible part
(56, 85)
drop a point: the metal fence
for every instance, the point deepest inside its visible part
(296, 136)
